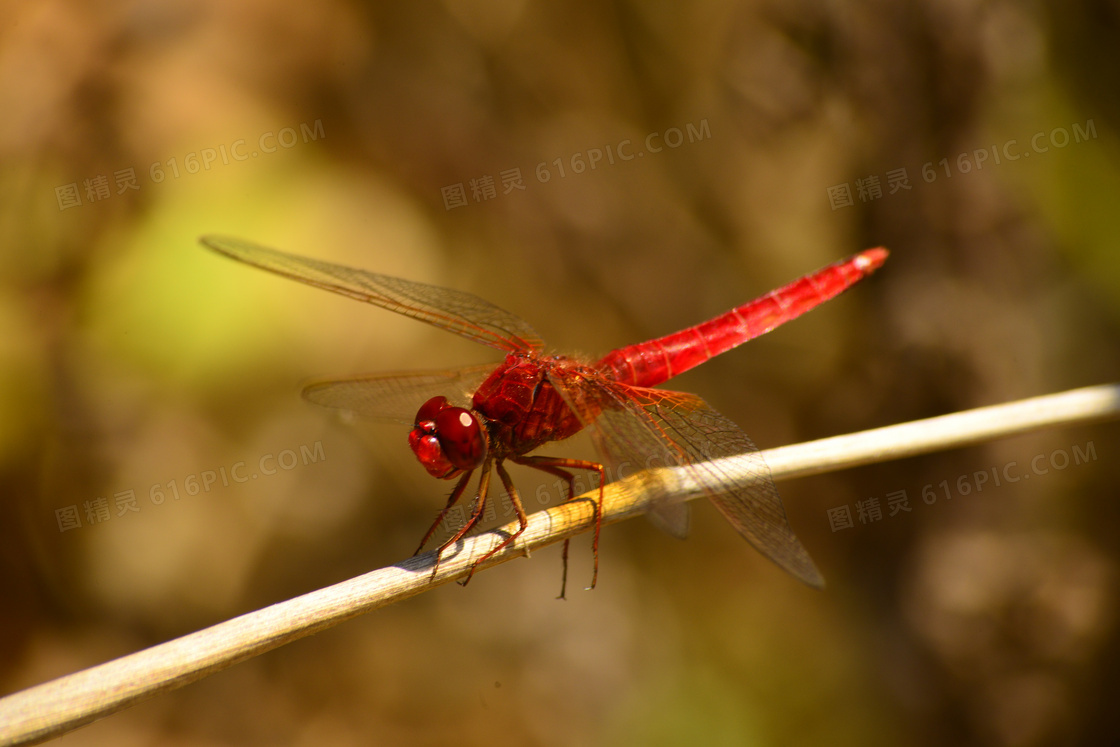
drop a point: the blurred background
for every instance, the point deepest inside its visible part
(610, 172)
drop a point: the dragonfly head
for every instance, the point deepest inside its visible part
(447, 440)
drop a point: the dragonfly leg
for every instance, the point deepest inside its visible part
(455, 495)
(522, 519)
(564, 574)
(559, 466)
(476, 513)
(541, 464)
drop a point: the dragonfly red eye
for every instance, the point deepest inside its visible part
(430, 409)
(447, 440)
(461, 436)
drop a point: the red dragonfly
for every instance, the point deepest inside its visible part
(530, 399)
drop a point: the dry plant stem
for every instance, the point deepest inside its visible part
(54, 708)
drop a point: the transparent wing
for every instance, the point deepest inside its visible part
(455, 311)
(671, 518)
(636, 427)
(396, 396)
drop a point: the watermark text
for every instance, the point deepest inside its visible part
(870, 187)
(99, 188)
(484, 187)
(870, 510)
(124, 502)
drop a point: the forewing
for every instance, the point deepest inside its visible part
(456, 311)
(655, 428)
(396, 396)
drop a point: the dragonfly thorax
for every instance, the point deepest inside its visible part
(522, 406)
(447, 440)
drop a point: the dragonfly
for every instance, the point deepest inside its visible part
(474, 420)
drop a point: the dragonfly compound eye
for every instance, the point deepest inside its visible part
(462, 437)
(430, 409)
(447, 440)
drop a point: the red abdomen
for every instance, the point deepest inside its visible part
(656, 361)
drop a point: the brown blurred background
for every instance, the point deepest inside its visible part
(976, 140)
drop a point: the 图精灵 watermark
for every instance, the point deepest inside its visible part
(484, 187)
(870, 187)
(870, 510)
(101, 509)
(98, 188)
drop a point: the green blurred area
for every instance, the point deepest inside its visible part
(140, 369)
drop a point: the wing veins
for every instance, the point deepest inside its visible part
(456, 311)
(642, 422)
